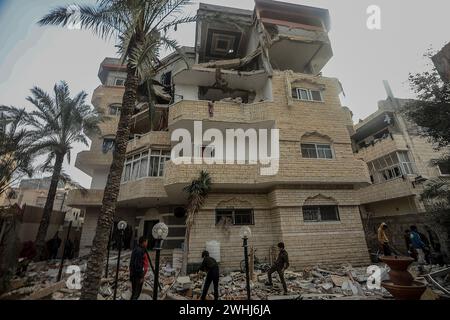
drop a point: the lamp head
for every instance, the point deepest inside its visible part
(160, 231)
(245, 232)
(122, 225)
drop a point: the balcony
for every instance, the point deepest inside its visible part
(397, 188)
(295, 28)
(88, 161)
(152, 139)
(186, 111)
(144, 192)
(84, 198)
(381, 147)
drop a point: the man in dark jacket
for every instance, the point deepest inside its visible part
(281, 264)
(210, 266)
(138, 268)
(53, 246)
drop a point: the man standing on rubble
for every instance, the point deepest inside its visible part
(210, 266)
(418, 245)
(383, 240)
(280, 265)
(138, 268)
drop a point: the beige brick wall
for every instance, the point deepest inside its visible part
(278, 217)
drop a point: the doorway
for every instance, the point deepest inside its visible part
(148, 226)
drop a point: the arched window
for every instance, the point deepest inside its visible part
(316, 146)
(320, 209)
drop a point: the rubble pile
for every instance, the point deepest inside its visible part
(310, 284)
(316, 283)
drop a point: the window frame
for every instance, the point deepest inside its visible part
(233, 216)
(309, 94)
(319, 215)
(144, 157)
(381, 169)
(333, 156)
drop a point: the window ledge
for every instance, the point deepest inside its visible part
(323, 222)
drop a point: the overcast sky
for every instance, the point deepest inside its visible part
(31, 55)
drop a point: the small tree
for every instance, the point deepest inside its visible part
(197, 193)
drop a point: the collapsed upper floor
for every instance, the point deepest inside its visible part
(236, 51)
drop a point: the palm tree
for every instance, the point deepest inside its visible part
(55, 124)
(140, 27)
(197, 193)
(15, 156)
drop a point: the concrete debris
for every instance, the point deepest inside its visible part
(314, 283)
(338, 281)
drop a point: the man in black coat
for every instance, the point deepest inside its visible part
(281, 264)
(138, 268)
(210, 266)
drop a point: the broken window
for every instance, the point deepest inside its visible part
(316, 151)
(166, 79)
(391, 166)
(238, 217)
(108, 144)
(320, 213)
(307, 94)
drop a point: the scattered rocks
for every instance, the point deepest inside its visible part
(314, 283)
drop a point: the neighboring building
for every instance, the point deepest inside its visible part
(399, 162)
(249, 69)
(32, 193)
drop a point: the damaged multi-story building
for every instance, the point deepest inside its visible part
(248, 69)
(400, 162)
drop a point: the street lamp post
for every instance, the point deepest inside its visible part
(159, 233)
(61, 265)
(245, 234)
(121, 226)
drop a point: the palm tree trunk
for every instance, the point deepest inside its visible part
(95, 264)
(48, 209)
(187, 237)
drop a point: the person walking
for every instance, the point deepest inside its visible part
(280, 265)
(139, 264)
(210, 266)
(54, 245)
(383, 240)
(418, 245)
